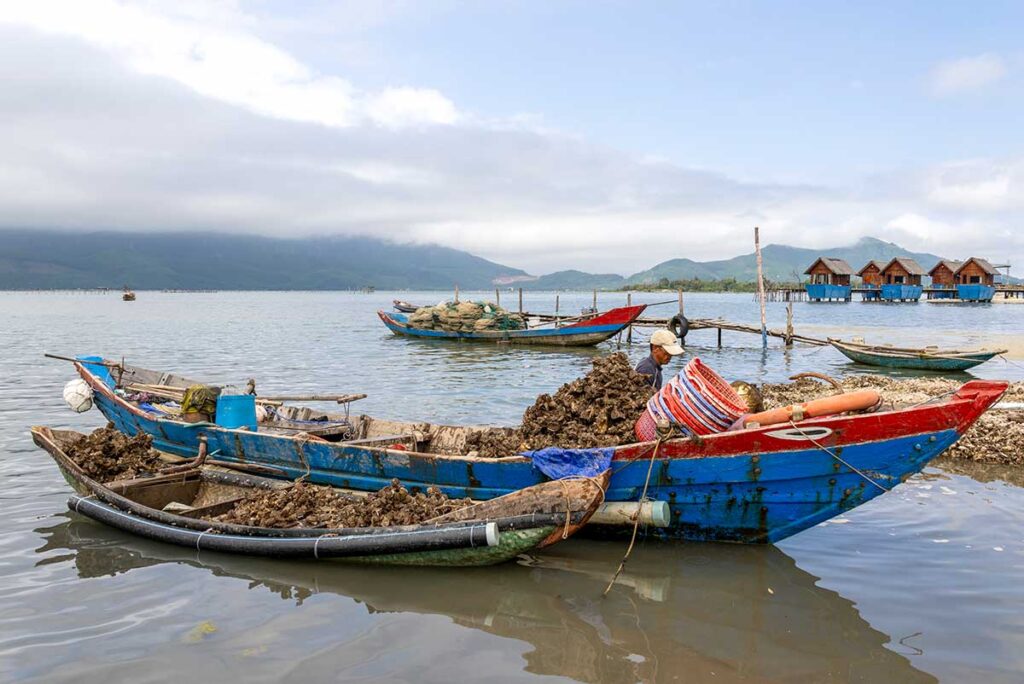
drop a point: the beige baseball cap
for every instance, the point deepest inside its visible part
(667, 341)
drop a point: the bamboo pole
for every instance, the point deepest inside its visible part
(497, 296)
(760, 287)
(681, 310)
(557, 302)
(595, 299)
(520, 300)
(456, 293)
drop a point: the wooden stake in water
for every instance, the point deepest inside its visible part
(760, 287)
(595, 299)
(558, 323)
(456, 293)
(497, 297)
(520, 300)
(789, 324)
(629, 332)
(681, 311)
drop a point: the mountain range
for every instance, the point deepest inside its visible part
(782, 263)
(52, 259)
(35, 259)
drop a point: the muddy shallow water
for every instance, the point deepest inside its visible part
(923, 584)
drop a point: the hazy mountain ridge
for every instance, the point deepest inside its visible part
(53, 259)
(34, 259)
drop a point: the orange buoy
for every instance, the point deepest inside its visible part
(826, 406)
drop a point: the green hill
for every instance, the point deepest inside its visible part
(781, 263)
(51, 259)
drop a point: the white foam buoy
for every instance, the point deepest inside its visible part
(78, 396)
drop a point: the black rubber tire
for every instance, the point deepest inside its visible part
(679, 327)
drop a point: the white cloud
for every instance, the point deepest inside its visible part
(206, 48)
(398, 107)
(981, 185)
(137, 118)
(966, 74)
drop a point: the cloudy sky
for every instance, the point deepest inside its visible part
(603, 136)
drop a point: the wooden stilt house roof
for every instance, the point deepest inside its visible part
(909, 265)
(951, 264)
(834, 265)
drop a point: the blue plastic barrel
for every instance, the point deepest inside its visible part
(236, 411)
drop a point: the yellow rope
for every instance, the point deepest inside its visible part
(636, 521)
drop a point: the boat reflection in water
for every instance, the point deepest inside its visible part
(708, 612)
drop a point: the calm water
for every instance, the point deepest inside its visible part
(923, 584)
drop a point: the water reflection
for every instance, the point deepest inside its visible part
(696, 613)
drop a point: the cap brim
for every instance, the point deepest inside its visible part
(673, 349)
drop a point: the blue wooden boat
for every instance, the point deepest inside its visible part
(758, 485)
(932, 358)
(583, 333)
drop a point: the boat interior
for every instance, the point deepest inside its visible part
(159, 393)
(193, 493)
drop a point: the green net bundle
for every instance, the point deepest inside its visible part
(465, 317)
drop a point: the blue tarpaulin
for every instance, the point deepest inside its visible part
(558, 463)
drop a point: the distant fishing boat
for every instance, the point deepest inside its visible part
(929, 358)
(482, 534)
(127, 295)
(755, 485)
(404, 307)
(581, 333)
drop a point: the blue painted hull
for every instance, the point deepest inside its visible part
(817, 291)
(975, 293)
(586, 333)
(744, 497)
(901, 293)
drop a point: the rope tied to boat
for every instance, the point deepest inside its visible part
(568, 500)
(835, 456)
(1012, 363)
(662, 437)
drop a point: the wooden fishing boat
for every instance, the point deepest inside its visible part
(481, 534)
(404, 307)
(582, 333)
(759, 485)
(930, 358)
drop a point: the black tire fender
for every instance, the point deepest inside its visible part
(679, 326)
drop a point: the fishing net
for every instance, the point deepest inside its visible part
(465, 317)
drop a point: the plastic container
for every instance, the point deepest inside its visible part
(697, 401)
(236, 411)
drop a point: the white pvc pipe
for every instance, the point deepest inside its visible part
(653, 513)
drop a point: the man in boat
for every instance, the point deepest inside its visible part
(664, 346)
